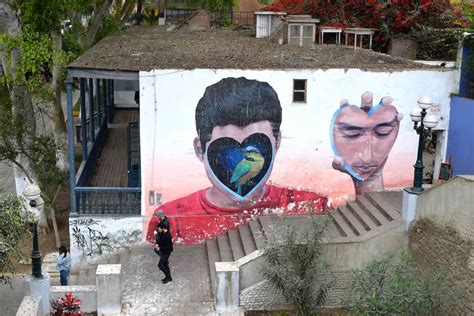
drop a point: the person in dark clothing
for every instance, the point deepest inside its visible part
(159, 217)
(164, 245)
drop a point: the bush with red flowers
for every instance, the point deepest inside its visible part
(391, 19)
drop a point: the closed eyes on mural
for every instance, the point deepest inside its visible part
(363, 137)
(240, 167)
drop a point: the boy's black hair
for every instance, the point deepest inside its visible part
(237, 101)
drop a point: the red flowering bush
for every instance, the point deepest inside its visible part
(390, 18)
(66, 306)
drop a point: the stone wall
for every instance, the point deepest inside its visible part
(263, 296)
(443, 237)
(436, 247)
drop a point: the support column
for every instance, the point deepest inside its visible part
(108, 289)
(70, 140)
(104, 100)
(99, 102)
(39, 288)
(227, 296)
(82, 84)
(91, 110)
(410, 198)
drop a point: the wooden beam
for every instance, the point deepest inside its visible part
(102, 74)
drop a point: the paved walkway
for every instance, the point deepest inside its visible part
(188, 294)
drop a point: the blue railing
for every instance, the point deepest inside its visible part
(133, 154)
(108, 201)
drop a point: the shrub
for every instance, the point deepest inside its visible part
(67, 305)
(396, 286)
(293, 264)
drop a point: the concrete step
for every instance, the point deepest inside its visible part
(353, 221)
(389, 203)
(114, 259)
(367, 221)
(372, 210)
(344, 229)
(82, 278)
(124, 257)
(213, 256)
(267, 223)
(256, 230)
(236, 244)
(91, 275)
(247, 239)
(224, 248)
(73, 279)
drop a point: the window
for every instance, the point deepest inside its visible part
(301, 34)
(299, 90)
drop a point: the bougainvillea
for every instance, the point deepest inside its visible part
(390, 18)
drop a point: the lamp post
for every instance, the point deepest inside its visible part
(423, 123)
(33, 194)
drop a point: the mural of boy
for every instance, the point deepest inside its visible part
(238, 126)
(362, 138)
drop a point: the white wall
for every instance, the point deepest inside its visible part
(96, 236)
(169, 98)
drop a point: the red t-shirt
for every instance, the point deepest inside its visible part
(194, 219)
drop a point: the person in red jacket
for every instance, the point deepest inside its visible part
(238, 126)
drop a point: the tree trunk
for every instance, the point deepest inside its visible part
(99, 13)
(19, 95)
(59, 124)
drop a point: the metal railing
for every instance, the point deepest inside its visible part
(108, 201)
(133, 154)
(178, 15)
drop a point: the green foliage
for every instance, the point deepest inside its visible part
(110, 24)
(396, 286)
(13, 229)
(437, 44)
(40, 151)
(293, 264)
(219, 5)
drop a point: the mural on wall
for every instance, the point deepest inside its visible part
(221, 146)
(89, 238)
(238, 136)
(361, 139)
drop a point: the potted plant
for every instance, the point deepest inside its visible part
(67, 305)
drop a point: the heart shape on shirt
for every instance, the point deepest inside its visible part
(364, 139)
(240, 167)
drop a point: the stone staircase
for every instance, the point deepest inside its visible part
(84, 274)
(367, 215)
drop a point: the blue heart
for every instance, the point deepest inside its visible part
(240, 168)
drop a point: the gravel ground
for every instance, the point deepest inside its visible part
(147, 48)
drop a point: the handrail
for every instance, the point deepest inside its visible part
(108, 201)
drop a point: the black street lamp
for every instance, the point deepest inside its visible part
(33, 194)
(423, 124)
(35, 254)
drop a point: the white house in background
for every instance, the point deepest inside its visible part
(122, 181)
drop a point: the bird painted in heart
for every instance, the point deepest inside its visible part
(249, 167)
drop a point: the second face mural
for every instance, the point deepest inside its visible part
(237, 125)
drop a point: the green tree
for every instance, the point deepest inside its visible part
(32, 123)
(394, 285)
(293, 263)
(13, 229)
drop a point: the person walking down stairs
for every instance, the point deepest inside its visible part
(164, 245)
